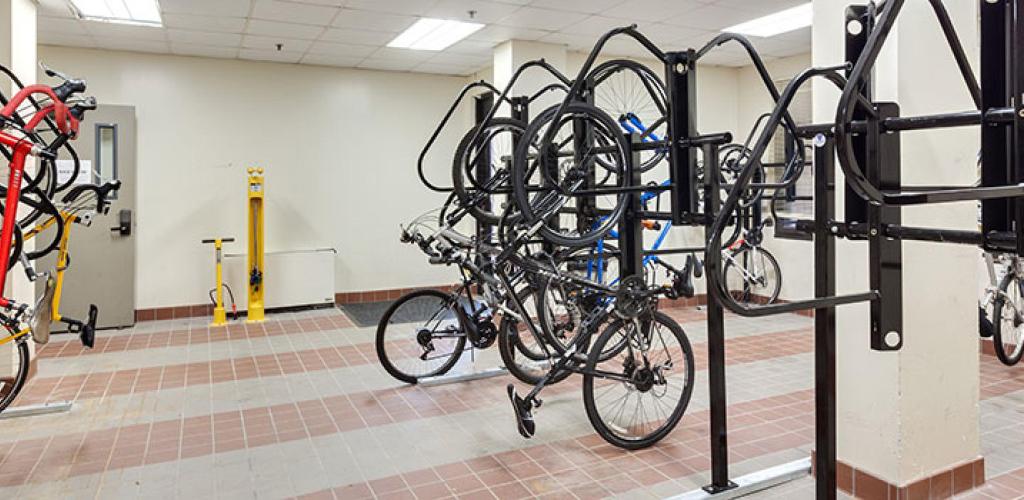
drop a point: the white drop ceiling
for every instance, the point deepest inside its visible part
(354, 33)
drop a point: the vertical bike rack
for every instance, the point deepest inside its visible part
(483, 104)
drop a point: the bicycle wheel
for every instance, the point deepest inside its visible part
(752, 275)
(491, 152)
(637, 397)
(521, 351)
(1008, 324)
(634, 95)
(553, 182)
(13, 378)
(564, 305)
(420, 335)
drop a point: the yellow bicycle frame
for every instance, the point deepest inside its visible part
(62, 256)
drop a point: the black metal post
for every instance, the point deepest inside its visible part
(885, 255)
(631, 236)
(824, 321)
(482, 105)
(681, 84)
(995, 165)
(855, 207)
(716, 335)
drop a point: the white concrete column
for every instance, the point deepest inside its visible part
(511, 54)
(18, 53)
(907, 415)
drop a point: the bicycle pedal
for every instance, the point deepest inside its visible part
(88, 333)
(524, 415)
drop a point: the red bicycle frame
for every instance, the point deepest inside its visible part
(21, 148)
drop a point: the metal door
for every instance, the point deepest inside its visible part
(101, 269)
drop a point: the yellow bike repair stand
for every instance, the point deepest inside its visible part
(220, 316)
(255, 183)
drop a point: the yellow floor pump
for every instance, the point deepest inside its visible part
(220, 317)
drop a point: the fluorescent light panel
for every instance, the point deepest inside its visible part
(775, 24)
(143, 12)
(433, 34)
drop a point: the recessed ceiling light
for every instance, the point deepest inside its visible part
(142, 12)
(775, 24)
(433, 34)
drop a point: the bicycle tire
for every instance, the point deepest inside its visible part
(771, 262)
(511, 347)
(522, 170)
(20, 376)
(998, 333)
(623, 100)
(465, 191)
(608, 431)
(381, 341)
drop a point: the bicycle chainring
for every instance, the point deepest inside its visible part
(632, 299)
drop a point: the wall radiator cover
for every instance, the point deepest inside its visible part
(292, 278)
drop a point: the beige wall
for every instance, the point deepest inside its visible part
(339, 147)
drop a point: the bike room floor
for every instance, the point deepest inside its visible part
(298, 406)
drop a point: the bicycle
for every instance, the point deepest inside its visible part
(18, 141)
(750, 272)
(1004, 304)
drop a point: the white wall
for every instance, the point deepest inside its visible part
(339, 147)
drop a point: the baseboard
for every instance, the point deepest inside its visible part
(943, 484)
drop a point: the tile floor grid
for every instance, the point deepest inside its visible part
(293, 435)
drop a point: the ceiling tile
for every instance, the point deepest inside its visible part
(49, 38)
(541, 19)
(406, 7)
(403, 55)
(596, 26)
(388, 65)
(710, 17)
(269, 43)
(444, 69)
(64, 25)
(55, 8)
(290, 12)
(470, 46)
(205, 23)
(496, 34)
(204, 38)
(332, 60)
(341, 49)
(361, 37)
(286, 30)
(747, 10)
(361, 19)
(584, 6)
(652, 10)
(133, 45)
(581, 43)
(270, 55)
(230, 8)
(124, 31)
(484, 11)
(189, 49)
(459, 59)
